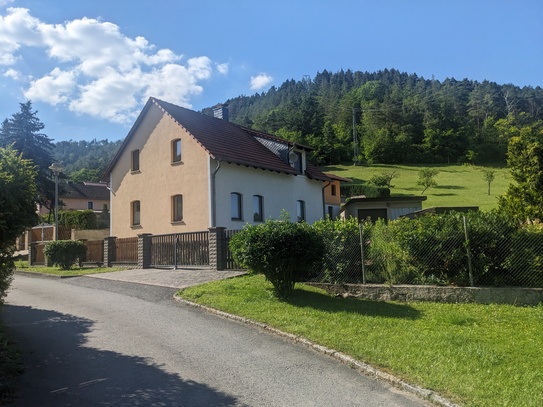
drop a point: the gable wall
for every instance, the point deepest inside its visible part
(280, 192)
(158, 180)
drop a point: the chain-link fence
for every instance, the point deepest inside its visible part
(463, 250)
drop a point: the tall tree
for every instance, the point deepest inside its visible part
(524, 198)
(23, 132)
(17, 207)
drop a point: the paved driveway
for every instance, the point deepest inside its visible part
(180, 278)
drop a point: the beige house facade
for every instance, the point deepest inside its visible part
(181, 171)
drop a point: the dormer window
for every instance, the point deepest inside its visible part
(296, 161)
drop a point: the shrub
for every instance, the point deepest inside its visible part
(64, 253)
(369, 191)
(82, 220)
(281, 250)
(342, 259)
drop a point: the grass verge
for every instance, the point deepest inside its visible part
(475, 355)
(55, 271)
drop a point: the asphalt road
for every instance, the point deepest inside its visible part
(90, 342)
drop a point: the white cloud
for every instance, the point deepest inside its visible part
(13, 74)
(54, 88)
(5, 2)
(260, 81)
(222, 68)
(97, 70)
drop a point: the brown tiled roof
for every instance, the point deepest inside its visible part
(83, 191)
(225, 141)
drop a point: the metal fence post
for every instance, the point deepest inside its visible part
(470, 269)
(176, 246)
(362, 254)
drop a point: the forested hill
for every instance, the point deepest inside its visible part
(400, 117)
(85, 160)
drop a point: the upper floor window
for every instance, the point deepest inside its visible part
(90, 205)
(334, 192)
(235, 206)
(177, 208)
(297, 162)
(135, 213)
(300, 211)
(135, 164)
(258, 208)
(176, 151)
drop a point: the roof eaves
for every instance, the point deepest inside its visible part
(126, 140)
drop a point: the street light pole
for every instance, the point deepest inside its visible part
(57, 169)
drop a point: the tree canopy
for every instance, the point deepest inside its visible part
(400, 117)
(524, 197)
(23, 132)
(17, 207)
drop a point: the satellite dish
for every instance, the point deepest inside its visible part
(292, 157)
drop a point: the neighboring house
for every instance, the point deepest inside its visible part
(81, 196)
(387, 209)
(182, 171)
(332, 196)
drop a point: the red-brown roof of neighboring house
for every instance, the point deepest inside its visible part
(225, 141)
(338, 178)
(85, 191)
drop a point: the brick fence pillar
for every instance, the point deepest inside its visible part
(31, 253)
(144, 250)
(110, 247)
(217, 248)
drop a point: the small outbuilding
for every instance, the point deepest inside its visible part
(389, 208)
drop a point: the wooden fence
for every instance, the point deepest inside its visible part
(126, 250)
(95, 251)
(230, 262)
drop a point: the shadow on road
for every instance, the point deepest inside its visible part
(61, 371)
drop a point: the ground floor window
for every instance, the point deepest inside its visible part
(177, 208)
(258, 208)
(135, 213)
(300, 211)
(236, 206)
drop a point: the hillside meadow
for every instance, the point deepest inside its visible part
(457, 185)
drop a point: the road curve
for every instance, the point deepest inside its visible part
(90, 342)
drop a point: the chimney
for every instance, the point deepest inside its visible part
(221, 112)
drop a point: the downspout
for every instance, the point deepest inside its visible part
(323, 200)
(213, 196)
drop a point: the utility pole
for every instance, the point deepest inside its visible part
(355, 136)
(56, 169)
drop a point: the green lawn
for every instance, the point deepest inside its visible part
(475, 355)
(56, 271)
(458, 185)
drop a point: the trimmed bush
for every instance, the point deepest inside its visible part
(64, 253)
(82, 220)
(281, 250)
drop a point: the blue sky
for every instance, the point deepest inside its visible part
(89, 66)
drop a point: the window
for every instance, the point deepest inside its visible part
(135, 166)
(90, 205)
(176, 151)
(331, 212)
(235, 206)
(300, 211)
(334, 190)
(258, 206)
(177, 208)
(135, 212)
(297, 164)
